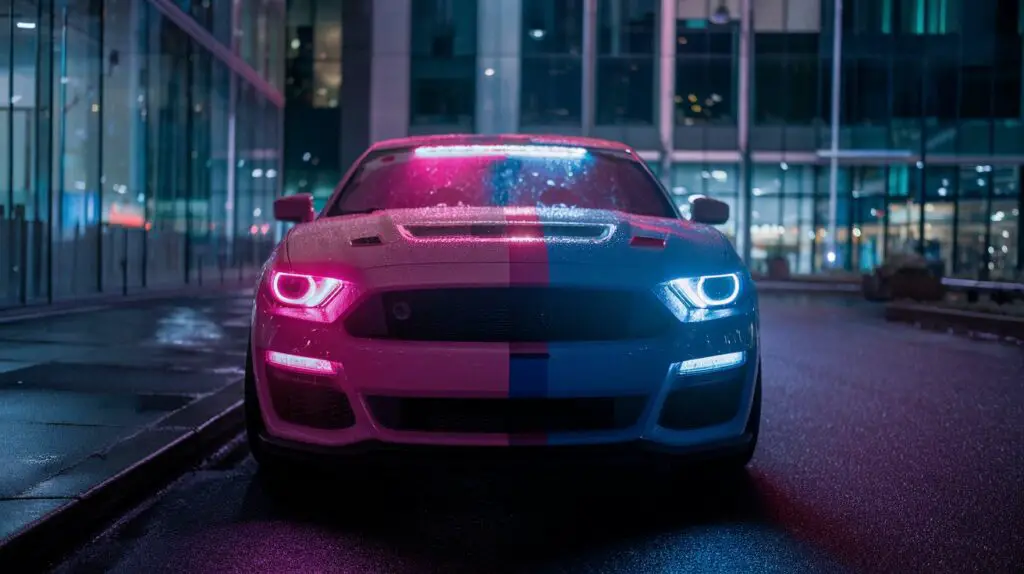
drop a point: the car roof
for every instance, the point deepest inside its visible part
(498, 139)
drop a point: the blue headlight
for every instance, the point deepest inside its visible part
(708, 291)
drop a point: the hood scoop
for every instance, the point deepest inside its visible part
(366, 241)
(511, 231)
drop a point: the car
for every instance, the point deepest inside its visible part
(497, 295)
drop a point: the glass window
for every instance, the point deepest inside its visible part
(690, 181)
(706, 70)
(552, 66)
(626, 47)
(443, 66)
(400, 179)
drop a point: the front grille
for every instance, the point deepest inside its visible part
(516, 314)
(308, 400)
(506, 416)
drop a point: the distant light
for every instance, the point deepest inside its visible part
(537, 151)
(784, 166)
(757, 191)
(981, 182)
(489, 72)
(257, 212)
(271, 173)
(536, 33)
(720, 15)
(15, 99)
(943, 191)
(26, 25)
(257, 173)
(141, 198)
(306, 156)
(920, 165)
(831, 257)
(295, 44)
(856, 232)
(719, 175)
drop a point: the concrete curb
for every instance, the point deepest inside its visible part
(967, 322)
(46, 541)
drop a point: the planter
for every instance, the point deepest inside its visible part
(915, 284)
(778, 268)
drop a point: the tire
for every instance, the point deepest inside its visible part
(271, 468)
(741, 459)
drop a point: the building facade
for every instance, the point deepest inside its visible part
(730, 99)
(140, 143)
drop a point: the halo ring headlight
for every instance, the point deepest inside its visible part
(702, 292)
(302, 290)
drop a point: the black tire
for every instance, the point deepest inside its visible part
(743, 458)
(271, 468)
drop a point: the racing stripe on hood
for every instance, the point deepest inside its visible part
(528, 265)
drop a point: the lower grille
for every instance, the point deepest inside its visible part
(702, 405)
(517, 314)
(308, 400)
(511, 416)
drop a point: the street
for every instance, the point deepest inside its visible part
(883, 449)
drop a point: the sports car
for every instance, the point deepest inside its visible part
(501, 293)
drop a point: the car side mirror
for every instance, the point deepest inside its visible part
(709, 211)
(296, 208)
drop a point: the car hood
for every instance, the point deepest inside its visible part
(504, 235)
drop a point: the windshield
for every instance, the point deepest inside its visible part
(484, 176)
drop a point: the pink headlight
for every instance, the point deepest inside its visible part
(303, 290)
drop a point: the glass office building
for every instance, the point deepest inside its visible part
(726, 98)
(139, 144)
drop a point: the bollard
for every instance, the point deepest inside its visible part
(124, 264)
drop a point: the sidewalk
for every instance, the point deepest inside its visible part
(86, 396)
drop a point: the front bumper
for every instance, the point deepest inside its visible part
(672, 412)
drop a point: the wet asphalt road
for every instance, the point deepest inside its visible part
(883, 449)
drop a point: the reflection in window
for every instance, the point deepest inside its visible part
(552, 67)
(705, 72)
(443, 62)
(626, 47)
(327, 84)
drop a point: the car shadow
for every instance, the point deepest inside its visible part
(529, 519)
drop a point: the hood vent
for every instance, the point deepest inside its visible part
(366, 241)
(512, 231)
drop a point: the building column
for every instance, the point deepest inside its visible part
(498, 66)
(389, 69)
(589, 87)
(666, 82)
(746, 50)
